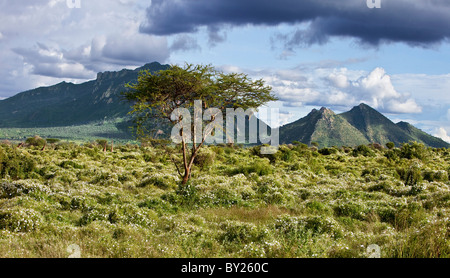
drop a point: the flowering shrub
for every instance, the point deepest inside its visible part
(20, 220)
(298, 203)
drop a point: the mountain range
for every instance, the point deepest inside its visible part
(361, 125)
(68, 104)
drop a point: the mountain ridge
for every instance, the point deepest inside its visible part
(360, 125)
(66, 103)
(69, 104)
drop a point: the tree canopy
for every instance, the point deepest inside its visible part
(159, 94)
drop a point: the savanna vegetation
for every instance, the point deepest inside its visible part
(127, 200)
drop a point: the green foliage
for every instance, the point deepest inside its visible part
(411, 175)
(20, 220)
(36, 141)
(261, 167)
(15, 164)
(303, 204)
(390, 145)
(363, 150)
(327, 151)
(157, 96)
(414, 150)
(205, 158)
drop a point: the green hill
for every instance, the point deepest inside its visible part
(324, 127)
(67, 104)
(361, 125)
(422, 136)
(375, 126)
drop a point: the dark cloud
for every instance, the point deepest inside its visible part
(413, 22)
(184, 42)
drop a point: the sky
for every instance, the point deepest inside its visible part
(390, 54)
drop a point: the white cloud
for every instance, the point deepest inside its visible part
(376, 89)
(442, 133)
(339, 80)
(341, 87)
(47, 41)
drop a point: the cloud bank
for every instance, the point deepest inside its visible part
(340, 87)
(419, 23)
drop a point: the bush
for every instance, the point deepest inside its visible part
(241, 232)
(160, 180)
(363, 150)
(204, 158)
(435, 175)
(414, 150)
(36, 141)
(411, 175)
(350, 209)
(327, 151)
(10, 190)
(261, 167)
(15, 164)
(129, 214)
(390, 145)
(20, 220)
(68, 164)
(273, 158)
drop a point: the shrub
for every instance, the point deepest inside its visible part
(12, 189)
(20, 220)
(435, 175)
(411, 175)
(159, 205)
(15, 164)
(261, 167)
(241, 232)
(204, 158)
(319, 224)
(36, 141)
(273, 158)
(350, 209)
(414, 150)
(129, 214)
(93, 214)
(187, 195)
(376, 146)
(363, 150)
(159, 180)
(317, 206)
(390, 145)
(327, 151)
(68, 164)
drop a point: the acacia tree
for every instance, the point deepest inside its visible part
(160, 94)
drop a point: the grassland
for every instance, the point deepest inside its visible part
(107, 129)
(300, 202)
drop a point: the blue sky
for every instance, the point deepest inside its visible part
(313, 53)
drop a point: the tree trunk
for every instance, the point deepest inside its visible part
(187, 173)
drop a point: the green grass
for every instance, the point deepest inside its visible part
(297, 203)
(107, 129)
